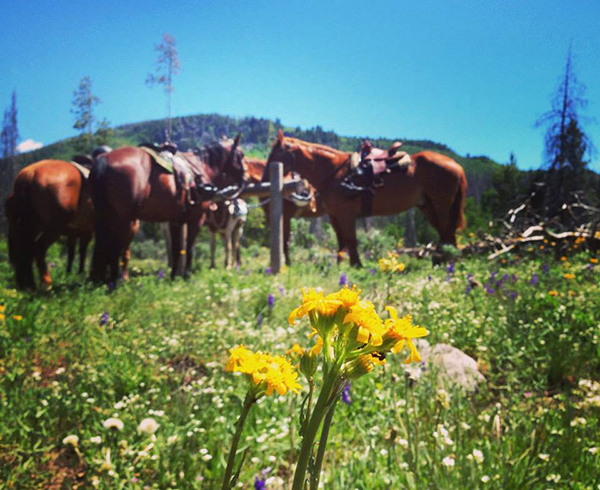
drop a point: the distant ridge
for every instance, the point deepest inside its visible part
(258, 135)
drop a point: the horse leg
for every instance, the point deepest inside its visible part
(192, 232)
(348, 232)
(40, 248)
(213, 248)
(287, 221)
(84, 241)
(71, 244)
(176, 244)
(24, 263)
(237, 237)
(227, 242)
(101, 249)
(125, 251)
(340, 237)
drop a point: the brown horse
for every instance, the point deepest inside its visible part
(128, 185)
(256, 171)
(433, 182)
(51, 198)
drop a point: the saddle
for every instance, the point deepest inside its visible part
(367, 174)
(174, 162)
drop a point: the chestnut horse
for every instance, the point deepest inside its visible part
(256, 172)
(433, 182)
(127, 185)
(51, 198)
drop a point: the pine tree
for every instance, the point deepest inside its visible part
(84, 102)
(167, 66)
(565, 142)
(9, 139)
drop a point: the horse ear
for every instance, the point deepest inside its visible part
(236, 142)
(280, 136)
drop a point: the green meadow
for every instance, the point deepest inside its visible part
(81, 360)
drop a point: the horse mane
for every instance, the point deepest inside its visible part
(316, 148)
(211, 152)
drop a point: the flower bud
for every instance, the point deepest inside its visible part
(359, 367)
(308, 363)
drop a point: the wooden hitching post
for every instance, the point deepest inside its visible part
(276, 216)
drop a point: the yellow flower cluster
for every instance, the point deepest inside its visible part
(351, 327)
(391, 264)
(267, 373)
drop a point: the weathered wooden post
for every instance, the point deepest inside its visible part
(276, 216)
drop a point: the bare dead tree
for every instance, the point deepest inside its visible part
(167, 66)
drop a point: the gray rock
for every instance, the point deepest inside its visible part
(453, 367)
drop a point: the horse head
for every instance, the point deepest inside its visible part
(224, 167)
(281, 151)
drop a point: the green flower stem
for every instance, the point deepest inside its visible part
(310, 433)
(248, 402)
(315, 477)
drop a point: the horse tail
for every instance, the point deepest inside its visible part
(99, 198)
(20, 215)
(457, 214)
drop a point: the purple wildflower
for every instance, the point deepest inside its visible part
(448, 277)
(488, 288)
(161, 274)
(259, 484)
(545, 268)
(429, 277)
(268, 271)
(281, 290)
(110, 286)
(469, 288)
(514, 277)
(51, 265)
(346, 394)
(513, 295)
(104, 318)
(271, 300)
(343, 279)
(373, 271)
(450, 268)
(534, 279)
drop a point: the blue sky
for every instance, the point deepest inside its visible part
(474, 75)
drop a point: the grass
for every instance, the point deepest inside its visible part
(79, 355)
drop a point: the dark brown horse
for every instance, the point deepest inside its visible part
(291, 209)
(50, 198)
(433, 182)
(128, 185)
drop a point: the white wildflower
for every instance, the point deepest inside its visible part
(148, 426)
(113, 423)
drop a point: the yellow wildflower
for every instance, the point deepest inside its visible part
(370, 326)
(1, 308)
(295, 350)
(563, 258)
(348, 297)
(17, 317)
(2, 316)
(314, 301)
(569, 275)
(594, 260)
(553, 293)
(268, 373)
(400, 332)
